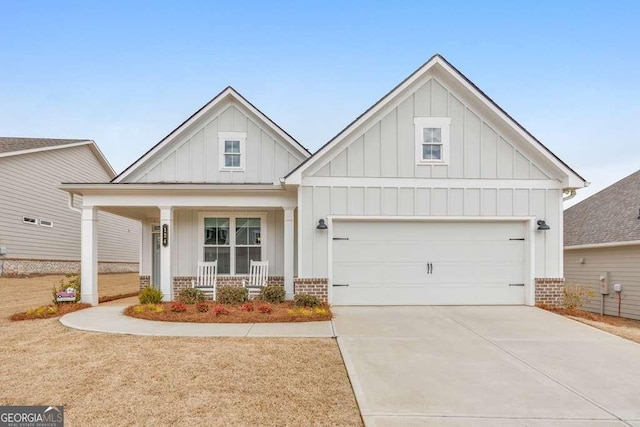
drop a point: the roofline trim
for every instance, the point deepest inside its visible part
(197, 115)
(602, 245)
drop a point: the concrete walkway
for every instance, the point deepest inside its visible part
(109, 318)
(486, 366)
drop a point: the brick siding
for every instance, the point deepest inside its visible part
(317, 286)
(550, 291)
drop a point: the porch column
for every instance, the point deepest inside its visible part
(89, 255)
(288, 252)
(166, 241)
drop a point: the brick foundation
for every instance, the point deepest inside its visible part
(317, 286)
(550, 291)
(145, 281)
(25, 267)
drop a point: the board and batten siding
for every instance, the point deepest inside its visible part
(195, 157)
(387, 148)
(321, 201)
(28, 188)
(622, 263)
(186, 250)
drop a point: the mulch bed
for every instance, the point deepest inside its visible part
(284, 312)
(48, 311)
(610, 320)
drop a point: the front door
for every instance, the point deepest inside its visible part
(155, 251)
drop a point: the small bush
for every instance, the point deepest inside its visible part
(300, 311)
(220, 310)
(150, 295)
(190, 296)
(202, 307)
(246, 307)
(139, 309)
(575, 296)
(178, 307)
(273, 294)
(265, 308)
(306, 300)
(232, 294)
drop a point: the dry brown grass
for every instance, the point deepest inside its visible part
(284, 312)
(22, 293)
(105, 379)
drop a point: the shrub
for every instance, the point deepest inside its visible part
(190, 296)
(72, 282)
(219, 309)
(232, 294)
(138, 309)
(319, 310)
(575, 296)
(178, 307)
(306, 300)
(265, 308)
(273, 294)
(246, 307)
(202, 307)
(150, 295)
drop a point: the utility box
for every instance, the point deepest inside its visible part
(617, 287)
(3, 250)
(603, 281)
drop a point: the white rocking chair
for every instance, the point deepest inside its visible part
(207, 278)
(258, 276)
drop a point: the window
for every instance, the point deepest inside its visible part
(28, 220)
(232, 150)
(233, 240)
(46, 223)
(432, 140)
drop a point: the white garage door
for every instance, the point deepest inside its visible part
(423, 263)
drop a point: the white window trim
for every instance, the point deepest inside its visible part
(45, 225)
(25, 218)
(233, 136)
(420, 123)
(232, 215)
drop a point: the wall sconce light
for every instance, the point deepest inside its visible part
(542, 225)
(321, 225)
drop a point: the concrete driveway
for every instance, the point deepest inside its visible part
(486, 366)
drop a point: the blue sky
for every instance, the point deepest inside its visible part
(126, 73)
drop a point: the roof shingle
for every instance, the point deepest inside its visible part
(10, 144)
(608, 216)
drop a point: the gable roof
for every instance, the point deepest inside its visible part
(436, 60)
(228, 92)
(611, 215)
(17, 146)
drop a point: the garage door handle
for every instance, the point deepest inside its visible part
(516, 284)
(340, 284)
(429, 268)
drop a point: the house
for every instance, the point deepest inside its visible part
(434, 195)
(39, 233)
(602, 246)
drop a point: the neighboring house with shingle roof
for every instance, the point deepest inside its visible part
(602, 239)
(39, 231)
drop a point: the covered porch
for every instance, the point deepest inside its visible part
(183, 224)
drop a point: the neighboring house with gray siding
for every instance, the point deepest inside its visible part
(602, 240)
(39, 232)
(434, 195)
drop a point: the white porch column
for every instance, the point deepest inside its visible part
(288, 252)
(166, 273)
(89, 255)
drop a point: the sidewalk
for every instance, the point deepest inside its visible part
(108, 318)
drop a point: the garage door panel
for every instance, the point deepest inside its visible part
(377, 262)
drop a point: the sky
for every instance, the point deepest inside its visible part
(127, 73)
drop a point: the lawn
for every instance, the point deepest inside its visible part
(105, 379)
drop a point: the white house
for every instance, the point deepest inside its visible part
(434, 195)
(39, 234)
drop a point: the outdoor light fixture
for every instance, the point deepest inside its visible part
(542, 225)
(321, 225)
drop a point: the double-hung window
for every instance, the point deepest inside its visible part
(233, 240)
(232, 153)
(432, 140)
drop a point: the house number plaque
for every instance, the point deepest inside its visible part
(165, 235)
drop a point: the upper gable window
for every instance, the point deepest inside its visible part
(232, 151)
(432, 140)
